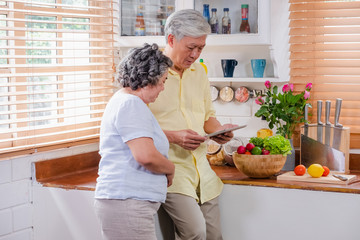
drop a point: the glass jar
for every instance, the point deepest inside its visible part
(230, 147)
(215, 153)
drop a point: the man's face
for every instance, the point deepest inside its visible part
(186, 51)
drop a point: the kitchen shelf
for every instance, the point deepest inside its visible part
(244, 80)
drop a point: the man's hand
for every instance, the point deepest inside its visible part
(225, 137)
(187, 139)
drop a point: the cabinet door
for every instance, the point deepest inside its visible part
(149, 15)
(258, 17)
(155, 13)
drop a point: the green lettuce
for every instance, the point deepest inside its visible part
(258, 142)
(277, 144)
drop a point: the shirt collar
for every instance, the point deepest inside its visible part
(191, 68)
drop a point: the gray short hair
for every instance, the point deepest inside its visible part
(143, 66)
(186, 22)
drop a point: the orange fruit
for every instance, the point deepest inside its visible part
(326, 171)
(300, 170)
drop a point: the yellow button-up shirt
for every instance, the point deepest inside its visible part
(186, 104)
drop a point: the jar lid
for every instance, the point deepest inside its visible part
(242, 94)
(227, 94)
(214, 91)
(232, 145)
(213, 147)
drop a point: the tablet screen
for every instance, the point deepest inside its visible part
(224, 131)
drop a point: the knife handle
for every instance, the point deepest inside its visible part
(306, 113)
(319, 110)
(327, 112)
(337, 112)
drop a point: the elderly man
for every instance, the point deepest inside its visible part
(185, 113)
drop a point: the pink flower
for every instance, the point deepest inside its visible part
(259, 100)
(268, 84)
(308, 86)
(306, 94)
(291, 86)
(286, 88)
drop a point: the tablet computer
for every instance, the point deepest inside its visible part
(224, 131)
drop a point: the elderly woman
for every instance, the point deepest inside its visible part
(134, 171)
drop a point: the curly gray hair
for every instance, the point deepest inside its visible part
(186, 22)
(143, 66)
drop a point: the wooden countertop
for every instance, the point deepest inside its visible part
(85, 179)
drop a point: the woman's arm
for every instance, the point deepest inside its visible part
(146, 154)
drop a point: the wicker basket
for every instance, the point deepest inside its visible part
(259, 166)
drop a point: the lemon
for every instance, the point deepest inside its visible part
(315, 170)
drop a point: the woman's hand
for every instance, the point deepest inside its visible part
(170, 178)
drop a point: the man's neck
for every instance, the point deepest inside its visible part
(178, 69)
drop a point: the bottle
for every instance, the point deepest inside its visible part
(226, 22)
(214, 22)
(203, 64)
(161, 17)
(244, 27)
(140, 23)
(264, 131)
(206, 12)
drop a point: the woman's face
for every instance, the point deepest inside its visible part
(151, 92)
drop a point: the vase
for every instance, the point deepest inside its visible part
(290, 159)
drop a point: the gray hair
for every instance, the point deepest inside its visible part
(186, 22)
(142, 67)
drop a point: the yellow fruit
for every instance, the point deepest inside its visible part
(315, 170)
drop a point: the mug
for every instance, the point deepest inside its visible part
(258, 67)
(228, 66)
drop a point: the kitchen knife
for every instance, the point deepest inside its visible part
(327, 122)
(342, 178)
(306, 125)
(319, 123)
(313, 151)
(337, 126)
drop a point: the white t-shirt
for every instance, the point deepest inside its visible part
(127, 117)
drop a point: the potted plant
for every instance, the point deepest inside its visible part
(283, 110)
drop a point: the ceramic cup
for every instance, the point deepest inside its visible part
(228, 66)
(258, 67)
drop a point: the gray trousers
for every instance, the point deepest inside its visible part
(181, 217)
(128, 219)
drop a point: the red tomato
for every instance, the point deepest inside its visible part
(326, 171)
(248, 153)
(300, 170)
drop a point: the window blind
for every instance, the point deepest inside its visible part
(325, 50)
(56, 70)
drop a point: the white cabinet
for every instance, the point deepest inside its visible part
(243, 47)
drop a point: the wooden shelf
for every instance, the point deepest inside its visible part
(244, 80)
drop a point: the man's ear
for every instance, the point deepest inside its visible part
(171, 40)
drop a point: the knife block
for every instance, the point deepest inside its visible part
(344, 139)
